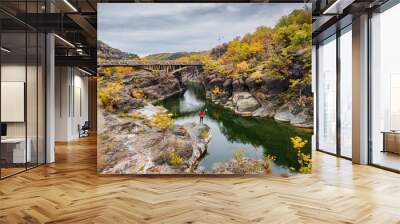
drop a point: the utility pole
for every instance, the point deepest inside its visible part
(219, 46)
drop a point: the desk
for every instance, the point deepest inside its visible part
(391, 141)
(13, 150)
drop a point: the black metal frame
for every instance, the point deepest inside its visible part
(44, 78)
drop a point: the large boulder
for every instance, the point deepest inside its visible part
(227, 85)
(250, 83)
(244, 102)
(303, 120)
(275, 85)
(168, 85)
(238, 85)
(141, 78)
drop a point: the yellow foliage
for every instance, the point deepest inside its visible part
(137, 93)
(269, 157)
(257, 76)
(305, 163)
(256, 47)
(162, 120)
(118, 71)
(216, 91)
(303, 159)
(137, 115)
(185, 59)
(108, 95)
(298, 143)
(123, 70)
(175, 159)
(204, 134)
(242, 66)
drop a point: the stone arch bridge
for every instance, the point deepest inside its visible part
(177, 68)
(161, 65)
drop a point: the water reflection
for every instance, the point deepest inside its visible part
(230, 132)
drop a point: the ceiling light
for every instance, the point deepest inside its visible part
(70, 5)
(86, 72)
(64, 40)
(5, 50)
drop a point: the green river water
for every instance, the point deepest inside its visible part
(231, 132)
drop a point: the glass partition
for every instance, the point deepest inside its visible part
(327, 95)
(13, 94)
(385, 89)
(22, 77)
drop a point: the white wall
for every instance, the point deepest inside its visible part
(71, 94)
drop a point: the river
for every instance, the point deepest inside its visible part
(231, 132)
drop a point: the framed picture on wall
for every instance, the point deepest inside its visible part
(204, 88)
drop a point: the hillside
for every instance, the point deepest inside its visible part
(173, 56)
(105, 52)
(270, 68)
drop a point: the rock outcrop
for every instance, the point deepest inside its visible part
(131, 146)
(139, 138)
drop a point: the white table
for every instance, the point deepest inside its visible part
(18, 144)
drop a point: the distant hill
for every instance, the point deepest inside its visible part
(172, 56)
(105, 52)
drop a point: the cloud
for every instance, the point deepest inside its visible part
(147, 28)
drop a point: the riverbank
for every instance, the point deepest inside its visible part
(264, 98)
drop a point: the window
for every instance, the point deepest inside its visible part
(385, 89)
(327, 95)
(346, 92)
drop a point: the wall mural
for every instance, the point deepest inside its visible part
(204, 88)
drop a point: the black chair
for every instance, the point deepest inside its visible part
(84, 130)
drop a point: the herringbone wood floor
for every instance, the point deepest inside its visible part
(70, 191)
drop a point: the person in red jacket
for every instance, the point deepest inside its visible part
(201, 115)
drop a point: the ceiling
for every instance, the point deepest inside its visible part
(75, 21)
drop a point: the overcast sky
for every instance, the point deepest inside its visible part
(147, 28)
